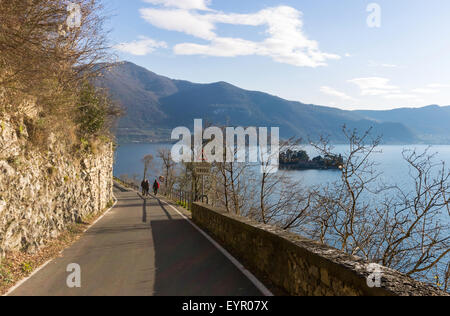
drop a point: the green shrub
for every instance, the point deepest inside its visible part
(27, 267)
(94, 110)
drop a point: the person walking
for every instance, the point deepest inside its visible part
(147, 188)
(156, 187)
(143, 184)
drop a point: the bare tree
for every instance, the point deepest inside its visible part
(396, 227)
(168, 165)
(445, 284)
(45, 61)
(189, 180)
(415, 238)
(342, 216)
(38, 43)
(147, 161)
(277, 199)
(234, 183)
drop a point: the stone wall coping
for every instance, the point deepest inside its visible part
(394, 283)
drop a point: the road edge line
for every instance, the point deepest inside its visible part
(257, 283)
(21, 282)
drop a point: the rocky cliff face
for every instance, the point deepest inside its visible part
(42, 192)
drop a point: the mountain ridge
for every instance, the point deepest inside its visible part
(156, 104)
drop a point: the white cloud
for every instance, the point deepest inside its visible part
(141, 47)
(438, 85)
(425, 91)
(400, 96)
(336, 93)
(183, 4)
(433, 88)
(374, 86)
(389, 66)
(375, 64)
(221, 47)
(285, 42)
(187, 22)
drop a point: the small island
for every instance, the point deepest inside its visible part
(299, 160)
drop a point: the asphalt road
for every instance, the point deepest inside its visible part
(141, 248)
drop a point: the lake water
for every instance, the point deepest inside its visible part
(390, 162)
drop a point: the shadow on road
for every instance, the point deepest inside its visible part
(117, 229)
(144, 212)
(121, 189)
(164, 209)
(138, 204)
(187, 264)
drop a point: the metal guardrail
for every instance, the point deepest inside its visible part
(184, 198)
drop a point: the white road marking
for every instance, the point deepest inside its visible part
(15, 287)
(20, 283)
(264, 290)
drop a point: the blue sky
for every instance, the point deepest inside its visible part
(314, 51)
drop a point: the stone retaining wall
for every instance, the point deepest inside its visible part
(41, 193)
(299, 266)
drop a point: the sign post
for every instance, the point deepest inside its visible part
(203, 169)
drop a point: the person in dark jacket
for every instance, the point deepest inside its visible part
(147, 188)
(143, 183)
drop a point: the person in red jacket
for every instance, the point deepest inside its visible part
(156, 187)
